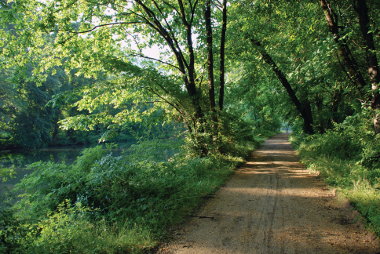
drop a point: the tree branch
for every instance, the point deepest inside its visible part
(158, 60)
(108, 24)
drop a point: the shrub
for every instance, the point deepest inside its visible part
(106, 204)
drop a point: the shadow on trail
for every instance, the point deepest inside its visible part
(272, 205)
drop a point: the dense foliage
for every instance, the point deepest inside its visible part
(219, 73)
(105, 46)
(106, 204)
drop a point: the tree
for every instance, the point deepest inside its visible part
(92, 37)
(352, 62)
(303, 108)
(293, 40)
(265, 29)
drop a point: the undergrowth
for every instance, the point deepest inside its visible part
(347, 157)
(107, 204)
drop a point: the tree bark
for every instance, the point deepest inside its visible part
(222, 47)
(372, 61)
(343, 48)
(210, 58)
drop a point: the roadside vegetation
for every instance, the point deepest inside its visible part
(106, 204)
(348, 158)
(216, 76)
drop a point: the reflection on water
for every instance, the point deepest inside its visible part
(63, 154)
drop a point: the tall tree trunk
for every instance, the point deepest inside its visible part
(222, 47)
(210, 72)
(210, 58)
(343, 48)
(303, 108)
(373, 64)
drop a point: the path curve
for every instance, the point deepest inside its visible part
(271, 205)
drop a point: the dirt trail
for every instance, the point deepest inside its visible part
(272, 205)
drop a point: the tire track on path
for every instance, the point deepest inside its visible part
(271, 205)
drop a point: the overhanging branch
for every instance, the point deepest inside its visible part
(108, 24)
(158, 60)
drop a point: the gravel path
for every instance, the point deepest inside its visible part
(272, 205)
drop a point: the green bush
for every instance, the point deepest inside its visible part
(15, 233)
(351, 140)
(227, 138)
(106, 204)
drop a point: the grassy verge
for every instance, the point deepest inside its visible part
(106, 204)
(341, 159)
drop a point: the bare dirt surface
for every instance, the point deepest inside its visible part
(272, 205)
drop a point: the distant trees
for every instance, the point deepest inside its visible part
(191, 34)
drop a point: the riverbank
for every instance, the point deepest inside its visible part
(106, 204)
